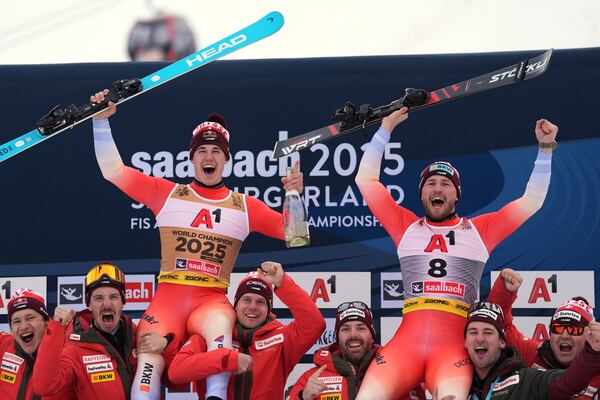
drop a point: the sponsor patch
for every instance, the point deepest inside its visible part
(331, 379)
(567, 314)
(324, 353)
(351, 312)
(442, 167)
(272, 341)
(335, 388)
(74, 336)
(102, 377)
(107, 366)
(332, 396)
(435, 287)
(13, 357)
(484, 312)
(198, 266)
(11, 367)
(513, 380)
(7, 377)
(96, 358)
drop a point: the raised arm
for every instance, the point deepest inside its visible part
(145, 189)
(495, 227)
(394, 218)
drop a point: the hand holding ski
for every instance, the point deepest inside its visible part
(352, 118)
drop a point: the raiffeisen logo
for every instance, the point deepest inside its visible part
(215, 50)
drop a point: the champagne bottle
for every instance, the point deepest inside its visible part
(295, 219)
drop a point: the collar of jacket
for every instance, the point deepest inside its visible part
(547, 355)
(510, 361)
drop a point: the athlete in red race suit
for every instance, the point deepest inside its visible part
(202, 227)
(442, 257)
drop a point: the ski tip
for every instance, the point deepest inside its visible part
(275, 18)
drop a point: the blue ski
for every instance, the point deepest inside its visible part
(59, 120)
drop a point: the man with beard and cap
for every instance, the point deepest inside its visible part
(202, 228)
(27, 318)
(341, 366)
(566, 330)
(266, 351)
(501, 374)
(98, 357)
(442, 256)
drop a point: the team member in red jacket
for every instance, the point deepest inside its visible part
(265, 350)
(341, 366)
(566, 331)
(98, 358)
(28, 318)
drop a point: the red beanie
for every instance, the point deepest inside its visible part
(487, 312)
(353, 311)
(442, 168)
(254, 284)
(26, 298)
(573, 312)
(213, 131)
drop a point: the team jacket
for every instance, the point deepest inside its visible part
(88, 361)
(536, 353)
(274, 348)
(509, 379)
(341, 377)
(16, 372)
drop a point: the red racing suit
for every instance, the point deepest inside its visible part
(342, 378)
(87, 361)
(274, 348)
(441, 266)
(16, 372)
(535, 353)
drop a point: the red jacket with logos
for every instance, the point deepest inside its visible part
(16, 371)
(536, 353)
(342, 378)
(88, 361)
(274, 348)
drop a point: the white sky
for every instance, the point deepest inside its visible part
(42, 31)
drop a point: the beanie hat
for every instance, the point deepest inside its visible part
(26, 298)
(487, 312)
(574, 312)
(254, 284)
(353, 311)
(442, 168)
(213, 131)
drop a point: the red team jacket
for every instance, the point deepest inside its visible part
(535, 353)
(274, 348)
(16, 371)
(88, 361)
(342, 380)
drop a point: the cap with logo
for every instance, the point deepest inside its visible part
(104, 274)
(253, 283)
(487, 312)
(442, 168)
(353, 311)
(26, 299)
(212, 131)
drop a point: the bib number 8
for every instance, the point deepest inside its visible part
(437, 268)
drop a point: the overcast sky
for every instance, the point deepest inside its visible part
(41, 31)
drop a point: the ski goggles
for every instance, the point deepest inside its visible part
(352, 304)
(486, 305)
(573, 330)
(104, 271)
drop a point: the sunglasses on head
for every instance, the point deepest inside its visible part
(572, 330)
(352, 304)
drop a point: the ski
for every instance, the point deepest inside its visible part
(59, 120)
(352, 118)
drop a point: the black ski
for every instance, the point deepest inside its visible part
(352, 118)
